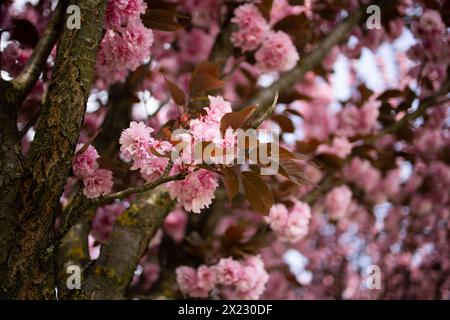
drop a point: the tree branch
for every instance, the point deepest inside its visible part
(36, 63)
(110, 275)
(223, 48)
(327, 181)
(80, 203)
(308, 62)
(423, 106)
(134, 190)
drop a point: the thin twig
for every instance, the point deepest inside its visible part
(80, 204)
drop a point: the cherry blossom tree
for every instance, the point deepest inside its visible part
(324, 149)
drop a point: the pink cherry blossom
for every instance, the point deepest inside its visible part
(217, 108)
(175, 224)
(431, 22)
(282, 9)
(14, 58)
(135, 141)
(362, 173)
(252, 280)
(243, 279)
(278, 216)
(198, 52)
(84, 164)
(340, 147)
(151, 272)
(338, 202)
(228, 271)
(120, 12)
(252, 27)
(353, 120)
(207, 128)
(428, 140)
(277, 53)
(196, 191)
(186, 278)
(318, 121)
(123, 51)
(206, 278)
(138, 146)
(289, 225)
(203, 12)
(195, 283)
(98, 184)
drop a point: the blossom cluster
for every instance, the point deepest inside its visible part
(433, 50)
(96, 181)
(362, 121)
(196, 191)
(137, 145)
(275, 50)
(340, 147)
(121, 12)
(363, 174)
(126, 43)
(290, 225)
(149, 155)
(252, 27)
(337, 202)
(207, 129)
(233, 279)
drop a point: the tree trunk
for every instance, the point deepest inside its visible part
(30, 265)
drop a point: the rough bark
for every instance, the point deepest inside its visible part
(73, 250)
(11, 168)
(110, 275)
(29, 271)
(12, 95)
